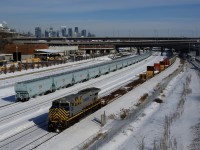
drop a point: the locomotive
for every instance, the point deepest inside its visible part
(68, 110)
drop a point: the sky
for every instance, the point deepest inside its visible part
(106, 17)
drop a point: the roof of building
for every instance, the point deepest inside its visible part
(50, 51)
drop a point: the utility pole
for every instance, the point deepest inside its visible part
(198, 48)
(17, 53)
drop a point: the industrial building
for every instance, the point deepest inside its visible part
(28, 50)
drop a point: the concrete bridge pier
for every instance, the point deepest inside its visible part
(138, 51)
(162, 50)
(144, 50)
(131, 49)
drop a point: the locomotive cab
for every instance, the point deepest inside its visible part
(60, 104)
(58, 115)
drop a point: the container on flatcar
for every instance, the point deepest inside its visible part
(156, 68)
(150, 72)
(162, 65)
(166, 61)
(143, 76)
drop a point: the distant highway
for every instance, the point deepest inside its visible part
(179, 43)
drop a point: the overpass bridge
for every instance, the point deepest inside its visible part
(102, 38)
(178, 43)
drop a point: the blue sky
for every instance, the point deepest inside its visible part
(106, 17)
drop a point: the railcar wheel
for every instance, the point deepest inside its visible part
(19, 99)
(24, 99)
(50, 128)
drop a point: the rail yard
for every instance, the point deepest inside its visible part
(24, 125)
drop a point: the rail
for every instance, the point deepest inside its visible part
(132, 116)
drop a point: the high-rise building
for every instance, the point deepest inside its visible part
(63, 31)
(76, 32)
(52, 33)
(83, 33)
(38, 32)
(1, 27)
(46, 33)
(89, 34)
(58, 33)
(70, 33)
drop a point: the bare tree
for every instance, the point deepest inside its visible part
(141, 143)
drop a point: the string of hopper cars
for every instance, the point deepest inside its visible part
(157, 68)
(40, 86)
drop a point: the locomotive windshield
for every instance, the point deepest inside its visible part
(60, 104)
(55, 103)
(64, 104)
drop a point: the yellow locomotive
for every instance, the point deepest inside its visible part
(68, 110)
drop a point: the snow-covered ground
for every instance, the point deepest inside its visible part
(180, 106)
(176, 115)
(20, 118)
(170, 124)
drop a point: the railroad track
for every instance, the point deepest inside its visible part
(35, 142)
(61, 93)
(48, 98)
(6, 106)
(30, 143)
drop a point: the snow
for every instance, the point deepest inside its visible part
(122, 134)
(87, 125)
(150, 124)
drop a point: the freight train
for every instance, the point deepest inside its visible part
(69, 109)
(28, 89)
(157, 68)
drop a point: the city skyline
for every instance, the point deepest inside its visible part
(106, 18)
(62, 32)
